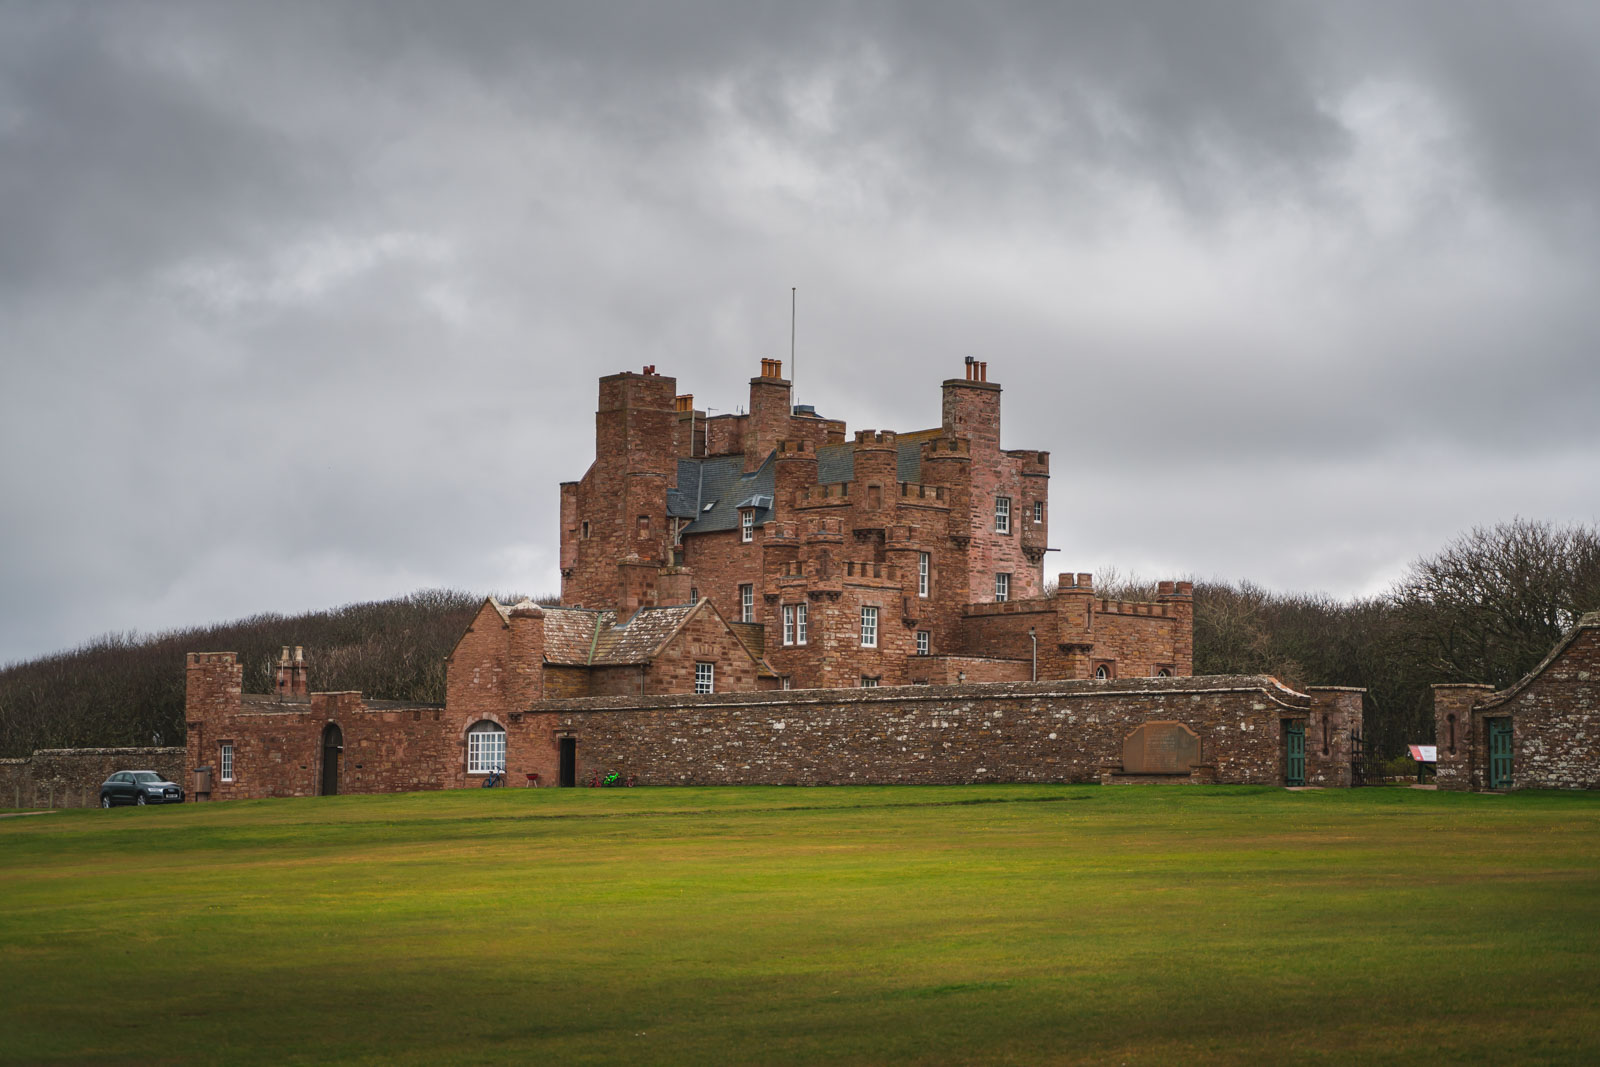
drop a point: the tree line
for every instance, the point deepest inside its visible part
(1487, 608)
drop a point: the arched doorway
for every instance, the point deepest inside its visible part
(332, 745)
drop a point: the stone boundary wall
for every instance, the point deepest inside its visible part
(71, 777)
(1004, 732)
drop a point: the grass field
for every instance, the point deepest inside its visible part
(869, 925)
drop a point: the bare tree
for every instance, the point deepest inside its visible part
(1493, 603)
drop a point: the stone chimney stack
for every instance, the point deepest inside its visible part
(290, 683)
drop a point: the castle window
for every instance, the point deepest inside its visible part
(704, 677)
(1163, 672)
(1038, 511)
(869, 682)
(225, 761)
(1002, 588)
(869, 627)
(486, 748)
(747, 526)
(585, 533)
(924, 572)
(1451, 719)
(788, 624)
(643, 529)
(747, 603)
(800, 611)
(1002, 514)
(1102, 672)
(783, 682)
(924, 641)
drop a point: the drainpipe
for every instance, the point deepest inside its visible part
(1035, 640)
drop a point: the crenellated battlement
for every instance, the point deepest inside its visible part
(867, 569)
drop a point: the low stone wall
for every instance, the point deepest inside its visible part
(1008, 732)
(71, 777)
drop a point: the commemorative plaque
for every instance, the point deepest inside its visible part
(1161, 748)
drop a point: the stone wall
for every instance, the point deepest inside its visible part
(71, 777)
(1005, 732)
(1010, 732)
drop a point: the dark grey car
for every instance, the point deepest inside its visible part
(139, 787)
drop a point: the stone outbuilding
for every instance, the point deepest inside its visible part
(1541, 733)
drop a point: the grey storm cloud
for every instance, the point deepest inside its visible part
(301, 304)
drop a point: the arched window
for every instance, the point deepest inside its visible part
(1102, 672)
(486, 748)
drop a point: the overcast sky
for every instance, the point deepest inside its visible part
(305, 304)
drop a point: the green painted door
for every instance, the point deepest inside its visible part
(1294, 768)
(1499, 753)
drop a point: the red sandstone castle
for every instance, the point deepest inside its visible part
(879, 559)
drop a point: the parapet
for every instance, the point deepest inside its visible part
(213, 659)
(947, 448)
(875, 438)
(1074, 583)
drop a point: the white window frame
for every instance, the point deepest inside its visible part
(747, 603)
(924, 642)
(747, 526)
(924, 572)
(1002, 514)
(1002, 587)
(869, 626)
(868, 682)
(225, 761)
(1038, 511)
(705, 677)
(486, 748)
(802, 613)
(788, 624)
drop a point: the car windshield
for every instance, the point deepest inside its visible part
(146, 776)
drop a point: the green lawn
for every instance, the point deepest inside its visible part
(869, 925)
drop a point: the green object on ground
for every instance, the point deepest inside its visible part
(867, 925)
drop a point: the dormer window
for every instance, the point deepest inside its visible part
(747, 526)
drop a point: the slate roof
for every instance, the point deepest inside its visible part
(837, 463)
(720, 487)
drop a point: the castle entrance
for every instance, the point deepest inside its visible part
(332, 746)
(569, 761)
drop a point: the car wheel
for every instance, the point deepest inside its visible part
(139, 800)
(105, 800)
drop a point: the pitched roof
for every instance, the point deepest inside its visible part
(722, 487)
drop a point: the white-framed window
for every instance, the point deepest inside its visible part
(868, 682)
(1038, 511)
(783, 682)
(924, 572)
(924, 642)
(1163, 672)
(747, 526)
(800, 613)
(747, 603)
(1002, 588)
(225, 761)
(788, 624)
(1002, 514)
(486, 748)
(1102, 672)
(704, 677)
(869, 627)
